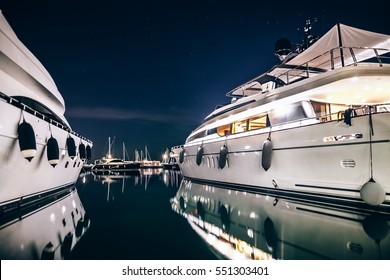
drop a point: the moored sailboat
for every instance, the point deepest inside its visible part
(109, 163)
(145, 160)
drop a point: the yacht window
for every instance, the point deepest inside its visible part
(327, 111)
(258, 122)
(224, 130)
(197, 135)
(211, 131)
(240, 126)
(322, 110)
(288, 113)
(202, 134)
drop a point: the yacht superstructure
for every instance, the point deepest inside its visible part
(317, 124)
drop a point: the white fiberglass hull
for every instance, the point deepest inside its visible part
(330, 159)
(20, 178)
(32, 112)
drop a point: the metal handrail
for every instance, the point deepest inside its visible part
(25, 108)
(306, 70)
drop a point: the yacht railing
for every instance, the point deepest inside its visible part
(339, 116)
(25, 108)
(334, 59)
(355, 112)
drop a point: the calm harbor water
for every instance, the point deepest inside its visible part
(131, 218)
(154, 214)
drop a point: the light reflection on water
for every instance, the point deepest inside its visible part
(154, 214)
(131, 218)
(48, 227)
(249, 225)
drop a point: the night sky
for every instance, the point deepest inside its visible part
(148, 72)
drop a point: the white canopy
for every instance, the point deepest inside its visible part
(347, 44)
(342, 39)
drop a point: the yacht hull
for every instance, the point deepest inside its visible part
(21, 178)
(329, 159)
(39, 152)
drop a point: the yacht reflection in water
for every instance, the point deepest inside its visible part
(43, 227)
(244, 225)
(138, 177)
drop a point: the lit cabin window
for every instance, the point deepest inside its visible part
(258, 122)
(240, 126)
(322, 110)
(327, 111)
(224, 130)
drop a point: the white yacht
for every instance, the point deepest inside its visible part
(317, 124)
(39, 152)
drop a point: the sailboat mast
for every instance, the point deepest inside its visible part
(109, 147)
(147, 155)
(123, 148)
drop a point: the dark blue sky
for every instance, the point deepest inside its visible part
(148, 72)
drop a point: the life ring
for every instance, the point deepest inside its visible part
(181, 156)
(27, 142)
(53, 152)
(266, 155)
(82, 151)
(199, 155)
(71, 147)
(223, 152)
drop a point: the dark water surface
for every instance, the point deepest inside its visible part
(157, 215)
(154, 214)
(131, 218)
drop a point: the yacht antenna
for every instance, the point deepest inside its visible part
(309, 38)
